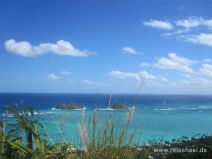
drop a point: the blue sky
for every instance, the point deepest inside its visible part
(106, 46)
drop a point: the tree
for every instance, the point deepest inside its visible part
(24, 121)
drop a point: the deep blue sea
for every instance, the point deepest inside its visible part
(156, 116)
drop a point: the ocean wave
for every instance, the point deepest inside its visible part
(54, 108)
(11, 115)
(183, 108)
(165, 109)
(110, 109)
(107, 109)
(6, 115)
(204, 107)
(49, 112)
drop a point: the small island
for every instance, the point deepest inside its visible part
(68, 106)
(119, 106)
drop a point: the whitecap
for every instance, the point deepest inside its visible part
(192, 108)
(107, 109)
(175, 109)
(49, 112)
(54, 108)
(83, 108)
(204, 107)
(165, 109)
(8, 115)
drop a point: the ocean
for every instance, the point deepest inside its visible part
(156, 117)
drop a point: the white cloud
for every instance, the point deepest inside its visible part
(207, 60)
(183, 26)
(175, 62)
(124, 75)
(177, 32)
(195, 22)
(162, 78)
(143, 75)
(144, 64)
(164, 25)
(197, 81)
(202, 79)
(192, 22)
(53, 77)
(98, 83)
(181, 60)
(204, 39)
(65, 73)
(189, 23)
(129, 50)
(61, 47)
(206, 70)
(89, 82)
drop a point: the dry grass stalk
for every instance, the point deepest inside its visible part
(82, 134)
(82, 131)
(129, 115)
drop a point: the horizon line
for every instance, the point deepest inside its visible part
(104, 93)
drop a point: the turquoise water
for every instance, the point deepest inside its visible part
(156, 116)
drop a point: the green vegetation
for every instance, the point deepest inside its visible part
(68, 106)
(20, 138)
(119, 106)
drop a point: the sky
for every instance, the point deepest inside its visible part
(106, 46)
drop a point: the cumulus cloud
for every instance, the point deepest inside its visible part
(206, 70)
(61, 47)
(203, 38)
(98, 83)
(163, 25)
(208, 60)
(177, 32)
(53, 77)
(144, 64)
(174, 62)
(143, 75)
(89, 82)
(181, 60)
(129, 50)
(181, 27)
(201, 79)
(192, 22)
(124, 75)
(197, 81)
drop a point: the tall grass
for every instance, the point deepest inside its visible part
(108, 139)
(98, 139)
